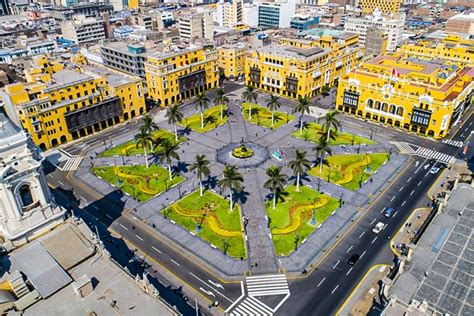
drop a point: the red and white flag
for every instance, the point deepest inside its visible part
(395, 73)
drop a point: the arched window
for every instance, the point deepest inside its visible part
(385, 107)
(25, 195)
(377, 105)
(400, 111)
(392, 108)
(370, 103)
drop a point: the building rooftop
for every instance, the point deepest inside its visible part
(7, 128)
(113, 78)
(294, 52)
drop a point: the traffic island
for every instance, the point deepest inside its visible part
(262, 116)
(130, 148)
(138, 181)
(212, 118)
(350, 171)
(314, 131)
(210, 218)
(296, 216)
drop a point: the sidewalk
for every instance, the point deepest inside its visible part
(407, 231)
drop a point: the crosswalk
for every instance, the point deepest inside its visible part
(428, 153)
(455, 143)
(72, 163)
(260, 286)
(404, 148)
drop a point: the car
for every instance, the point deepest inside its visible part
(442, 166)
(353, 259)
(434, 170)
(389, 212)
(432, 161)
(378, 227)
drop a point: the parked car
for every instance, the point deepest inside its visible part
(389, 212)
(434, 170)
(353, 259)
(378, 227)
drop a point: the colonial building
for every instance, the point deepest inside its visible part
(27, 208)
(416, 95)
(232, 59)
(301, 67)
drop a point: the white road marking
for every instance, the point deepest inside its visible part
(153, 247)
(419, 183)
(404, 202)
(321, 282)
(95, 206)
(373, 221)
(395, 214)
(336, 264)
(349, 270)
(361, 234)
(175, 262)
(349, 249)
(207, 292)
(411, 193)
(337, 286)
(373, 240)
(139, 237)
(400, 189)
(362, 254)
(108, 216)
(409, 179)
(393, 198)
(60, 183)
(216, 284)
(124, 227)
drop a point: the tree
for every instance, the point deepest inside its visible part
(221, 100)
(232, 180)
(201, 165)
(210, 119)
(168, 152)
(321, 149)
(174, 116)
(273, 104)
(299, 166)
(276, 181)
(143, 139)
(250, 95)
(302, 107)
(330, 121)
(148, 125)
(202, 103)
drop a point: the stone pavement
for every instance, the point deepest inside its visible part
(262, 258)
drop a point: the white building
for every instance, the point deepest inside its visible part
(250, 14)
(196, 25)
(392, 26)
(276, 14)
(82, 30)
(27, 208)
(229, 14)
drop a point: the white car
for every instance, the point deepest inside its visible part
(378, 227)
(434, 170)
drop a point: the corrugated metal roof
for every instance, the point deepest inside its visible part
(46, 275)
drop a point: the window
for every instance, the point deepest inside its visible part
(25, 195)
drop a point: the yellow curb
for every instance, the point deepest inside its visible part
(352, 227)
(428, 192)
(358, 284)
(401, 227)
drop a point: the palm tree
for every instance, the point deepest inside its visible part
(299, 165)
(201, 165)
(143, 139)
(276, 181)
(321, 149)
(168, 152)
(202, 103)
(174, 116)
(330, 121)
(210, 119)
(273, 104)
(148, 124)
(221, 99)
(232, 180)
(250, 95)
(302, 107)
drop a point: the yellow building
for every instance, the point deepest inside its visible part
(450, 47)
(71, 103)
(231, 59)
(385, 6)
(301, 67)
(418, 96)
(173, 76)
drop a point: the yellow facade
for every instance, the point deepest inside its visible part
(231, 58)
(133, 4)
(452, 49)
(385, 6)
(178, 75)
(418, 96)
(71, 104)
(300, 68)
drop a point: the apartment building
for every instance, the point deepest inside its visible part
(82, 30)
(229, 13)
(128, 58)
(196, 25)
(425, 97)
(385, 6)
(57, 105)
(298, 67)
(276, 14)
(175, 74)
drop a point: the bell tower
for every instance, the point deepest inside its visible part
(27, 207)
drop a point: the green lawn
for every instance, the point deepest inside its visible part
(138, 181)
(212, 119)
(350, 170)
(218, 224)
(129, 148)
(314, 131)
(292, 217)
(263, 116)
